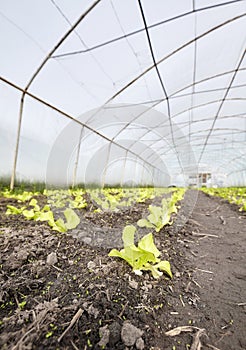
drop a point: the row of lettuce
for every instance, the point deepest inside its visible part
(60, 210)
(235, 195)
(67, 203)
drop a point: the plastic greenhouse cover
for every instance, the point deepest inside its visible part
(123, 91)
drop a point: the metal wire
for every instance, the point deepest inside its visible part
(72, 53)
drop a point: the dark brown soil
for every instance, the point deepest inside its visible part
(86, 293)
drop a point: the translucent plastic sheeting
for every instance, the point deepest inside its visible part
(8, 127)
(119, 92)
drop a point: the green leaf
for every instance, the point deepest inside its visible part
(144, 258)
(58, 225)
(72, 218)
(164, 266)
(45, 216)
(29, 214)
(144, 223)
(115, 252)
(147, 244)
(155, 214)
(165, 218)
(33, 202)
(128, 235)
(129, 254)
(141, 257)
(153, 269)
(14, 210)
(46, 208)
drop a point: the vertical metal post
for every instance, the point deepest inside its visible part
(13, 174)
(123, 170)
(77, 158)
(106, 165)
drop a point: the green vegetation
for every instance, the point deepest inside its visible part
(72, 198)
(46, 205)
(45, 214)
(144, 256)
(115, 198)
(236, 195)
(161, 216)
(57, 208)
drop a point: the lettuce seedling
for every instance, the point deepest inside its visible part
(145, 256)
(45, 214)
(12, 210)
(158, 218)
(161, 216)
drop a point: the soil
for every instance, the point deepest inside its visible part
(62, 291)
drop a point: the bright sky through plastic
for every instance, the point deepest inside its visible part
(166, 79)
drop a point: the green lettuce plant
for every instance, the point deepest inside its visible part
(45, 214)
(161, 216)
(158, 217)
(144, 256)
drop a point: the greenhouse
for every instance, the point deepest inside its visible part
(123, 174)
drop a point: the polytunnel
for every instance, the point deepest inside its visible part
(122, 174)
(123, 92)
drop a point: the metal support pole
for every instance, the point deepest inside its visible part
(13, 174)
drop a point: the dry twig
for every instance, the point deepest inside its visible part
(204, 234)
(207, 271)
(195, 222)
(74, 319)
(212, 347)
(222, 220)
(181, 299)
(196, 345)
(123, 309)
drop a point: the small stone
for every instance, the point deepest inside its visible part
(133, 284)
(115, 329)
(130, 333)
(91, 265)
(87, 240)
(177, 274)
(51, 259)
(104, 335)
(91, 309)
(140, 344)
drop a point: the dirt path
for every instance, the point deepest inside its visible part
(218, 251)
(59, 292)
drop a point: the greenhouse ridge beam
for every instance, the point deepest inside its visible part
(194, 71)
(159, 76)
(153, 58)
(142, 29)
(76, 121)
(24, 91)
